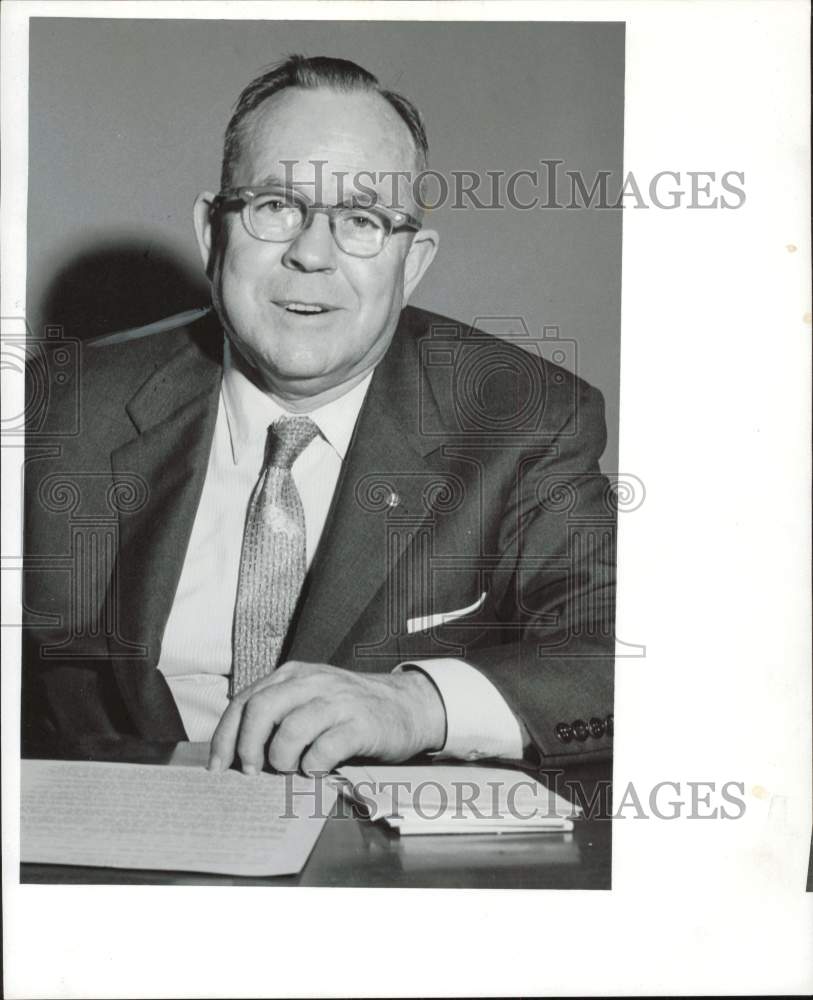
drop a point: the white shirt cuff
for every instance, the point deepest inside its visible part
(478, 721)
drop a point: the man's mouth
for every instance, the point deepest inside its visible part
(303, 308)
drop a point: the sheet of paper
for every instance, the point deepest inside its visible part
(163, 817)
(475, 827)
(448, 798)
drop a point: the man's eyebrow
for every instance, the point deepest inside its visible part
(361, 200)
(271, 180)
(352, 199)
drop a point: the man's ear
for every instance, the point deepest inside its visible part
(419, 256)
(202, 217)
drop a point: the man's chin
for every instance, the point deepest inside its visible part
(284, 359)
(299, 376)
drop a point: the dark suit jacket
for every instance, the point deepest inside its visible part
(473, 470)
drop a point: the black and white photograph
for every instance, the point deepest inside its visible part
(313, 516)
(388, 505)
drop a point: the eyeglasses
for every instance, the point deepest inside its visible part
(279, 215)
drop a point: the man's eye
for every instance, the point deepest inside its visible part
(272, 206)
(361, 221)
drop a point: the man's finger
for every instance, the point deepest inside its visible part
(264, 710)
(224, 746)
(244, 727)
(224, 738)
(297, 730)
(334, 746)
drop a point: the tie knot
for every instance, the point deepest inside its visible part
(287, 438)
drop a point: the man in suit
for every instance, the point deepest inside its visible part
(335, 525)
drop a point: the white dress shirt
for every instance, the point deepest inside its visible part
(196, 652)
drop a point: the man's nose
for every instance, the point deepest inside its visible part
(314, 249)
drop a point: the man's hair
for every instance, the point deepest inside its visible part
(310, 73)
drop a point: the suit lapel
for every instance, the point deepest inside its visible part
(175, 413)
(384, 480)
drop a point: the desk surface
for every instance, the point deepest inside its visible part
(354, 852)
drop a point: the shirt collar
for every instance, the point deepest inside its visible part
(249, 411)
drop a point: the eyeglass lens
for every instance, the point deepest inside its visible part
(278, 219)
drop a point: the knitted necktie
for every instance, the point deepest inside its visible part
(272, 562)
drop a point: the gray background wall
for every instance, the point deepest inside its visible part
(126, 122)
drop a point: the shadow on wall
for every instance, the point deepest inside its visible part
(119, 284)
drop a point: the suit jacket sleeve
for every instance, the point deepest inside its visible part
(552, 660)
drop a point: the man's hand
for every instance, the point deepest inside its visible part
(318, 716)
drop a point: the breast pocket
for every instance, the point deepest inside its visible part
(424, 623)
(449, 630)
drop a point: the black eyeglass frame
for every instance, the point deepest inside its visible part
(394, 221)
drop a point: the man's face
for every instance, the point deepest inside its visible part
(258, 287)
